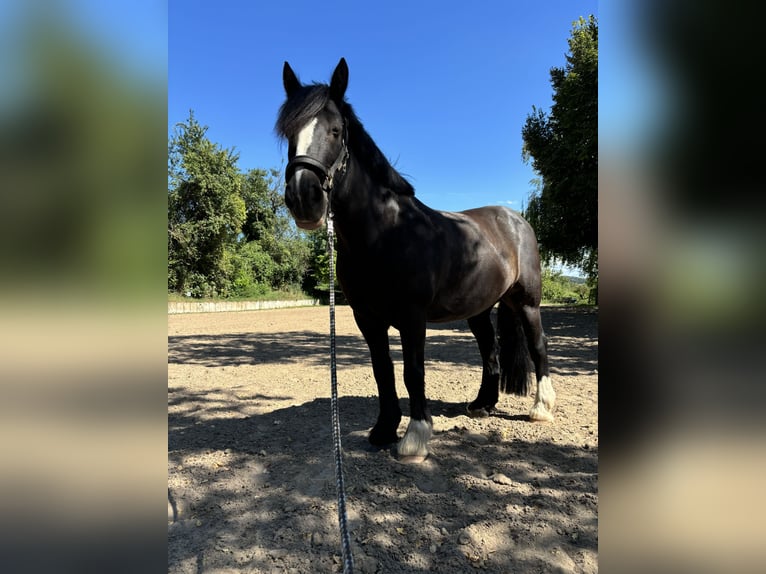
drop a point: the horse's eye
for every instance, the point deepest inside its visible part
(336, 131)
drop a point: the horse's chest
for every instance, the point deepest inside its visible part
(368, 272)
(382, 277)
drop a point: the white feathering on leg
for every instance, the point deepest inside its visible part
(545, 400)
(415, 440)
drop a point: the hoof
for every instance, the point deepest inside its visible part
(480, 413)
(413, 448)
(540, 414)
(412, 458)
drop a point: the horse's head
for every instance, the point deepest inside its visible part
(311, 121)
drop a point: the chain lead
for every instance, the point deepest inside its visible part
(348, 559)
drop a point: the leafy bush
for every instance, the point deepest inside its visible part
(560, 289)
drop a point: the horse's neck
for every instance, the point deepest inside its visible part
(362, 208)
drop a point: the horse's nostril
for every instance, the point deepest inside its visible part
(288, 197)
(316, 192)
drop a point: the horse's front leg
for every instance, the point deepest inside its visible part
(414, 446)
(390, 415)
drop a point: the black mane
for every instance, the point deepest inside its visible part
(308, 101)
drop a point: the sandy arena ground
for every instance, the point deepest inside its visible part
(251, 484)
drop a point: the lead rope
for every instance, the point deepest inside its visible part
(348, 559)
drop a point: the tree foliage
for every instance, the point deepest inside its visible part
(563, 148)
(556, 288)
(229, 233)
(318, 277)
(205, 210)
(269, 226)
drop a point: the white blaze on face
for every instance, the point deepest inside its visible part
(305, 137)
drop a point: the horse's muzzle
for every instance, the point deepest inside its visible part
(306, 199)
(309, 225)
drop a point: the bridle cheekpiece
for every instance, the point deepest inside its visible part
(338, 168)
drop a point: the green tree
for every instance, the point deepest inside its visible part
(559, 289)
(252, 270)
(205, 211)
(268, 224)
(563, 148)
(317, 278)
(263, 204)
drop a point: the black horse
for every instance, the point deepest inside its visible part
(403, 264)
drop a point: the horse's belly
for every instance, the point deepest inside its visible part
(463, 303)
(459, 291)
(470, 295)
(441, 314)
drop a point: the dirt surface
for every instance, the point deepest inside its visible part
(251, 485)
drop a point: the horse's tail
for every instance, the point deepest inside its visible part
(514, 353)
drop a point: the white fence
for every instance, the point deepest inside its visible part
(218, 306)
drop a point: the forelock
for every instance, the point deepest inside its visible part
(300, 108)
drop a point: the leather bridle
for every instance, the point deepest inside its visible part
(327, 174)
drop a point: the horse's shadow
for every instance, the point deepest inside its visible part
(306, 348)
(453, 410)
(447, 343)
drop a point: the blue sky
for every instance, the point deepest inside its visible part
(633, 93)
(443, 88)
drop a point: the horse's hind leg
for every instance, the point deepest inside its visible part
(545, 397)
(482, 328)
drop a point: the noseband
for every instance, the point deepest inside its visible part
(328, 174)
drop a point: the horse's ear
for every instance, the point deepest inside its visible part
(290, 80)
(339, 81)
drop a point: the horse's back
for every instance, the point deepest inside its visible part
(510, 233)
(506, 230)
(504, 223)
